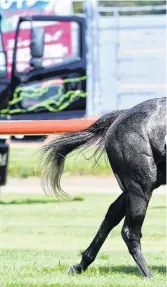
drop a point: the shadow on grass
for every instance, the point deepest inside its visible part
(129, 269)
(27, 201)
(159, 207)
(37, 201)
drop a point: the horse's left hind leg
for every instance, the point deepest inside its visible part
(115, 214)
(131, 231)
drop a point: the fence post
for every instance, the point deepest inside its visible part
(115, 96)
(93, 69)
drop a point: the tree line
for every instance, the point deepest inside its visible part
(78, 6)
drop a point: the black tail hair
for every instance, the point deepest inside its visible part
(54, 153)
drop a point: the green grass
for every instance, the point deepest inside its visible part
(39, 241)
(24, 162)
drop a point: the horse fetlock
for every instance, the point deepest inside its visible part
(87, 259)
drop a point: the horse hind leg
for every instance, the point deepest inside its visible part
(115, 214)
(131, 231)
(138, 190)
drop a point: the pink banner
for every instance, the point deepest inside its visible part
(57, 45)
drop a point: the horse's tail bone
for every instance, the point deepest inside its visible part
(53, 154)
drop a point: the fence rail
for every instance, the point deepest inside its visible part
(42, 127)
(133, 9)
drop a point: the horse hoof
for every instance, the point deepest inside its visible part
(75, 269)
(149, 275)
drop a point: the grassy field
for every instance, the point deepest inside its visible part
(39, 240)
(24, 162)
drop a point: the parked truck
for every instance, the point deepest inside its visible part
(41, 85)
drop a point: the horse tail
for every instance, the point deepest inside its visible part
(53, 154)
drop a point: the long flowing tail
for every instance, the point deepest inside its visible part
(53, 154)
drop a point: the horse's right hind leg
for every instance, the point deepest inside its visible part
(131, 231)
(115, 214)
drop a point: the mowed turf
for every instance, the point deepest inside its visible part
(40, 239)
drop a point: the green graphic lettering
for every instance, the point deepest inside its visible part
(56, 103)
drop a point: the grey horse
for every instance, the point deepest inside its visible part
(134, 141)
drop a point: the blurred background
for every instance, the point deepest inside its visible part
(113, 60)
